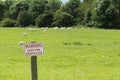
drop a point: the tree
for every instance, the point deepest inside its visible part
(53, 5)
(25, 18)
(2, 10)
(62, 19)
(8, 3)
(44, 20)
(88, 11)
(37, 7)
(88, 18)
(17, 7)
(73, 8)
(107, 14)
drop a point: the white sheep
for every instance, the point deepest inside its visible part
(83, 28)
(21, 43)
(24, 34)
(69, 28)
(55, 27)
(44, 30)
(33, 29)
(62, 28)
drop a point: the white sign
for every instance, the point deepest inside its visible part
(33, 49)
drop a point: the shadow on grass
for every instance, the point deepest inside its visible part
(77, 43)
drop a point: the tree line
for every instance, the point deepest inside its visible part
(51, 13)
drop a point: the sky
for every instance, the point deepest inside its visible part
(64, 1)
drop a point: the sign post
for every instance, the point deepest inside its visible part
(34, 75)
(32, 50)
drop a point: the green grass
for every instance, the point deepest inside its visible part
(76, 54)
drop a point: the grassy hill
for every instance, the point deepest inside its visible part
(70, 54)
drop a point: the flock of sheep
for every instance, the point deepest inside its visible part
(45, 29)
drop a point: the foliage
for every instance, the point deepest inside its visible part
(88, 7)
(18, 7)
(7, 22)
(62, 19)
(73, 8)
(8, 4)
(25, 18)
(2, 10)
(44, 20)
(99, 13)
(108, 14)
(53, 5)
(37, 7)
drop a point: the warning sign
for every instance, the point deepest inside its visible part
(33, 49)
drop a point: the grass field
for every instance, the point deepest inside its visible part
(75, 54)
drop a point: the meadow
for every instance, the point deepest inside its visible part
(74, 54)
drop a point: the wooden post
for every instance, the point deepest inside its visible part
(34, 75)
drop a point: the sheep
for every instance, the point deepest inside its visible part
(44, 30)
(55, 27)
(21, 43)
(33, 30)
(69, 28)
(24, 34)
(62, 27)
(83, 28)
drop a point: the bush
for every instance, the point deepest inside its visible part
(62, 19)
(44, 20)
(8, 23)
(25, 18)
